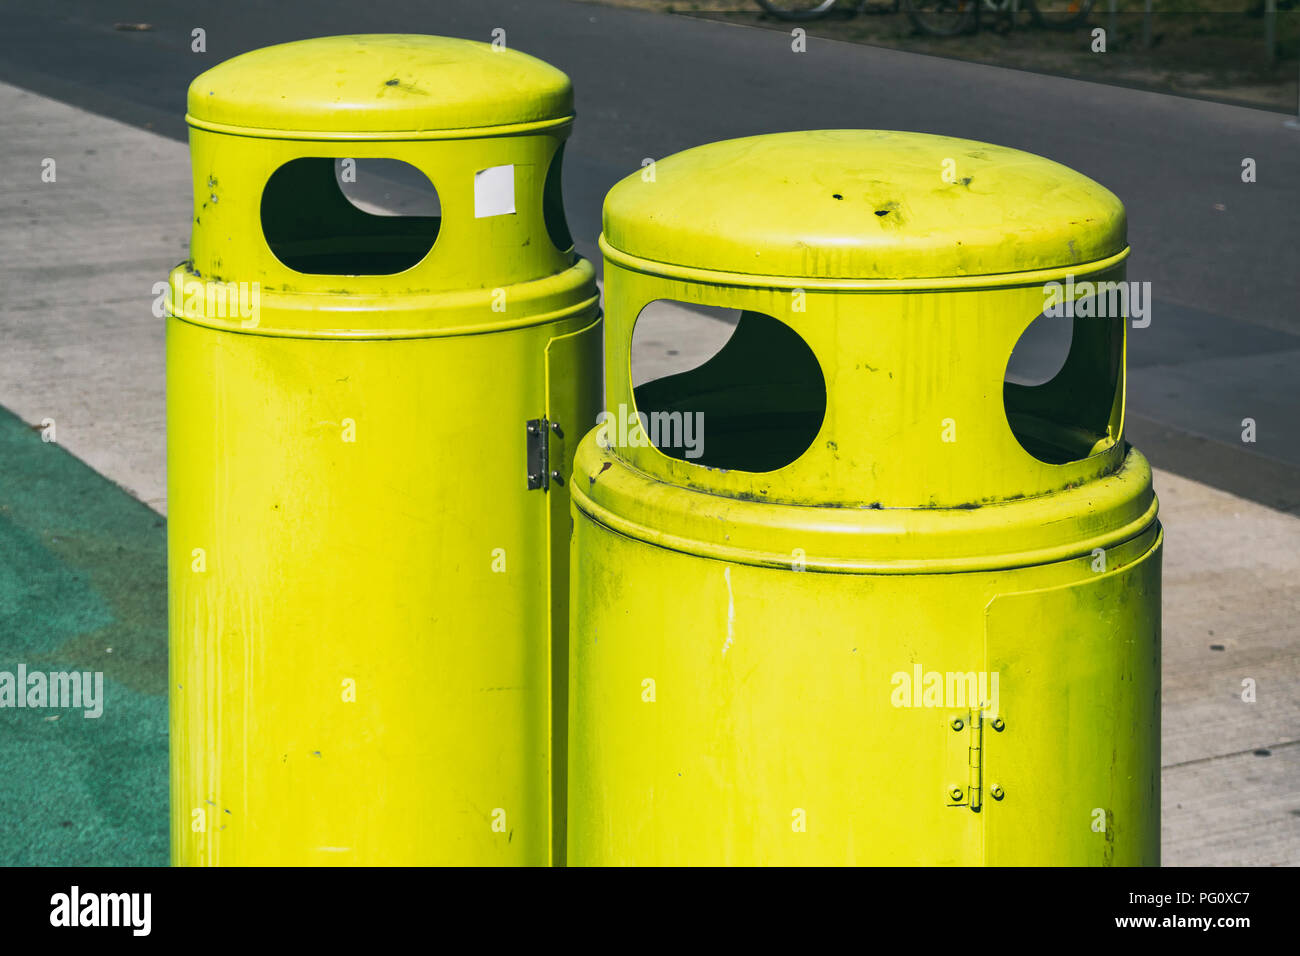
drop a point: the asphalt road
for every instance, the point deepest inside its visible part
(1220, 254)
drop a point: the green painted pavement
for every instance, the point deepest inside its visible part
(83, 587)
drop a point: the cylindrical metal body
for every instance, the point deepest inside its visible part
(367, 599)
(896, 609)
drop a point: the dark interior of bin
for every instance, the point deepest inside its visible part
(762, 397)
(1061, 420)
(557, 225)
(312, 227)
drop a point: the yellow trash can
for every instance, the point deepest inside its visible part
(893, 608)
(368, 420)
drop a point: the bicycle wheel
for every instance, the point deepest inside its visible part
(1060, 14)
(942, 18)
(797, 9)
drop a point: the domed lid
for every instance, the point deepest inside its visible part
(860, 205)
(357, 87)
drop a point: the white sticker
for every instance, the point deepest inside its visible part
(494, 192)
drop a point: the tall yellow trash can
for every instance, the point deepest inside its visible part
(368, 421)
(893, 608)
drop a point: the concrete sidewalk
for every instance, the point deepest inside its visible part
(78, 261)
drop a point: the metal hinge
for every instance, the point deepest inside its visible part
(540, 473)
(967, 790)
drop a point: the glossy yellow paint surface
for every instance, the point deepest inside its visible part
(853, 206)
(375, 85)
(367, 614)
(784, 666)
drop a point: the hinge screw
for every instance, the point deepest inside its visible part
(996, 792)
(956, 793)
(555, 427)
(998, 724)
(958, 723)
